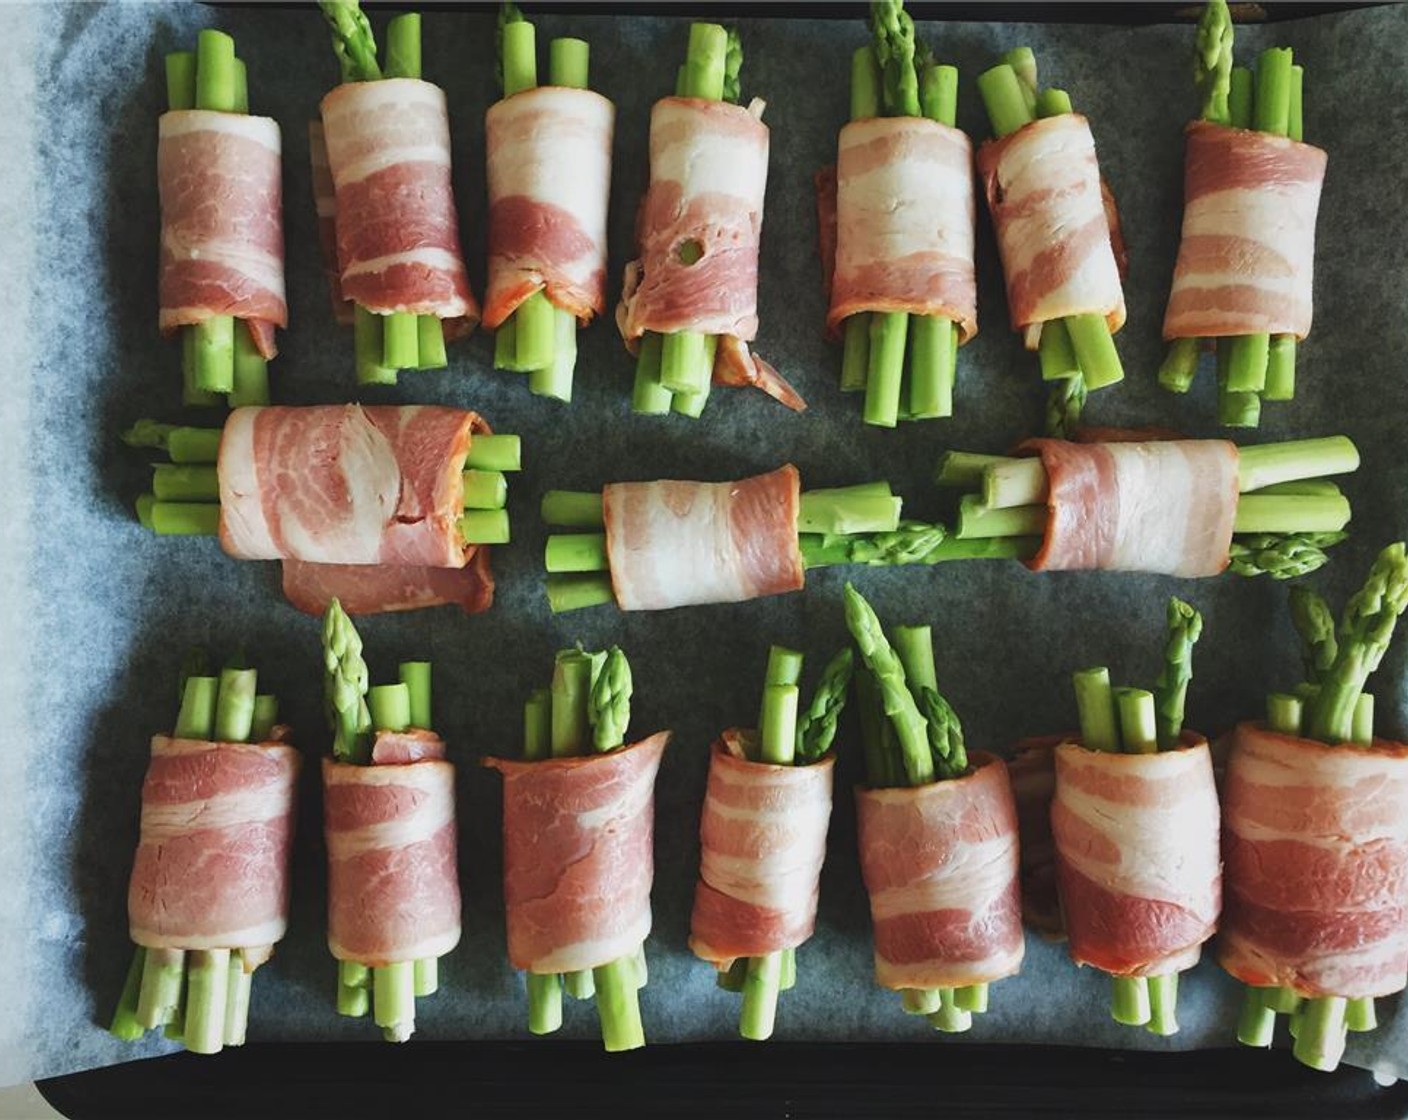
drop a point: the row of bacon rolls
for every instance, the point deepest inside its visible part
(897, 222)
(1113, 837)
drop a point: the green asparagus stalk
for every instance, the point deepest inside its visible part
(1185, 627)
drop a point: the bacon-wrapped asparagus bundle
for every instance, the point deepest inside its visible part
(222, 239)
(1121, 502)
(579, 813)
(937, 832)
(689, 303)
(385, 508)
(1251, 193)
(1316, 835)
(389, 824)
(897, 214)
(672, 543)
(1135, 823)
(762, 838)
(386, 146)
(549, 164)
(208, 897)
(1058, 233)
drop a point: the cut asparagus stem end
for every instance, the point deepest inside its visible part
(580, 984)
(1095, 350)
(920, 1001)
(1246, 363)
(1138, 721)
(520, 57)
(251, 371)
(1283, 1001)
(181, 80)
(1319, 1041)
(185, 519)
(933, 363)
(1057, 355)
(208, 977)
(403, 46)
(855, 355)
(1359, 1014)
(1163, 1004)
(400, 341)
(648, 396)
(196, 720)
(1281, 369)
(576, 509)
(1053, 103)
(1099, 727)
(760, 990)
(536, 324)
(1014, 482)
(885, 373)
(215, 71)
(173, 482)
(430, 342)
(684, 366)
(506, 346)
(965, 469)
(238, 986)
(977, 520)
(973, 998)
(568, 63)
(1270, 463)
(575, 592)
(367, 338)
(234, 706)
(950, 1018)
(1180, 365)
(576, 552)
(394, 998)
(1284, 713)
(554, 380)
(869, 508)
(1129, 1000)
(485, 526)
(427, 976)
(485, 490)
(618, 1007)
(125, 1024)
(1256, 1026)
(416, 677)
(495, 453)
(1004, 98)
(215, 354)
(544, 1002)
(865, 84)
(1291, 513)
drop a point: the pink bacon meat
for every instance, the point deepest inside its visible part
(940, 864)
(381, 588)
(1316, 844)
(398, 242)
(1165, 506)
(1054, 233)
(904, 214)
(578, 857)
(222, 235)
(762, 844)
(212, 866)
(677, 544)
(1137, 856)
(549, 166)
(1247, 255)
(393, 879)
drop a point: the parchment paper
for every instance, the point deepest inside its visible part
(96, 613)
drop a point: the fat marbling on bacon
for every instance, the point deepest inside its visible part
(1316, 843)
(902, 222)
(578, 855)
(1247, 254)
(940, 864)
(1165, 506)
(762, 839)
(222, 237)
(212, 865)
(1137, 856)
(398, 246)
(677, 544)
(1053, 220)
(393, 879)
(548, 153)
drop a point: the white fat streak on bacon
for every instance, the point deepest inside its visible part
(708, 177)
(1247, 256)
(1166, 506)
(1053, 233)
(175, 826)
(426, 789)
(241, 183)
(904, 221)
(1291, 805)
(676, 543)
(552, 147)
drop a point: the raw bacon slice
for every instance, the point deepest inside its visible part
(1247, 255)
(1137, 856)
(343, 484)
(904, 222)
(737, 366)
(1032, 771)
(1163, 506)
(393, 880)
(940, 864)
(398, 242)
(222, 234)
(212, 866)
(680, 544)
(1053, 233)
(379, 588)
(1316, 844)
(549, 165)
(578, 856)
(762, 842)
(325, 205)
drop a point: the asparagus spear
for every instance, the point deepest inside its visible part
(1185, 627)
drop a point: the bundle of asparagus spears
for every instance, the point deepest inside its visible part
(208, 897)
(1242, 285)
(1316, 815)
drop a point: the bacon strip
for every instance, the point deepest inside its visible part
(940, 864)
(1316, 844)
(762, 841)
(735, 365)
(679, 544)
(343, 484)
(398, 243)
(578, 858)
(325, 205)
(1163, 506)
(393, 879)
(1053, 233)
(380, 588)
(549, 165)
(1247, 255)
(1137, 856)
(222, 235)
(1033, 774)
(904, 222)
(212, 865)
